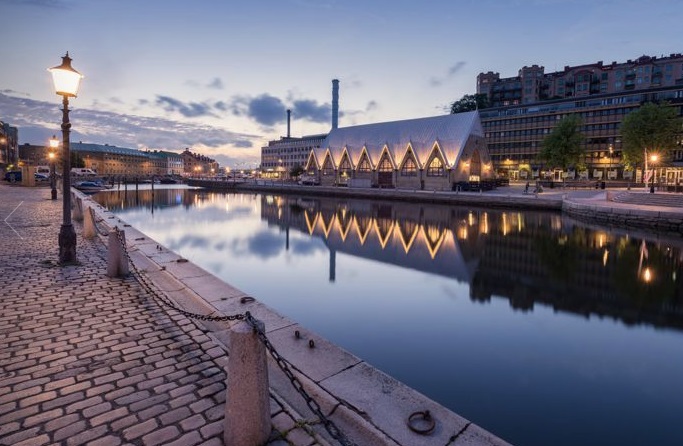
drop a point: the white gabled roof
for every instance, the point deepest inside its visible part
(450, 132)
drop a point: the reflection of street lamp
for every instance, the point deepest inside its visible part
(611, 153)
(280, 169)
(54, 143)
(66, 82)
(653, 160)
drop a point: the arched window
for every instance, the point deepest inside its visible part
(345, 166)
(385, 165)
(328, 169)
(435, 168)
(364, 165)
(409, 168)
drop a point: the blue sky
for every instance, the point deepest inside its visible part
(218, 75)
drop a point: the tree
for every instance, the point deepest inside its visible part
(653, 127)
(296, 170)
(75, 159)
(470, 102)
(562, 147)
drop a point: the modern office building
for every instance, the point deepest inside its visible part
(525, 109)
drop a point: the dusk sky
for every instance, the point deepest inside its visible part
(217, 75)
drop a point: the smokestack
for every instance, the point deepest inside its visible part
(335, 103)
(289, 117)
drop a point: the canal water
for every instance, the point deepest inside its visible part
(538, 328)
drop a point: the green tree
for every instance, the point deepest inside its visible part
(296, 170)
(562, 147)
(654, 127)
(470, 102)
(75, 159)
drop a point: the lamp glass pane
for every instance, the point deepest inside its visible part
(66, 81)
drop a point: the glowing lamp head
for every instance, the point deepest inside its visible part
(66, 80)
(654, 158)
(54, 142)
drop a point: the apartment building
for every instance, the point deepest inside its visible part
(525, 109)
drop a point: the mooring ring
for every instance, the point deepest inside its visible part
(246, 299)
(421, 422)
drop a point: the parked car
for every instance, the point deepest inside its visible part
(41, 177)
(13, 176)
(80, 171)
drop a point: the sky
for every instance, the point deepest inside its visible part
(217, 76)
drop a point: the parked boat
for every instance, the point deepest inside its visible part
(90, 186)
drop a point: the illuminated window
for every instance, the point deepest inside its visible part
(328, 169)
(435, 168)
(364, 165)
(385, 165)
(409, 168)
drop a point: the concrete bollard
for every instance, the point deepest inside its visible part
(247, 403)
(89, 230)
(77, 210)
(117, 263)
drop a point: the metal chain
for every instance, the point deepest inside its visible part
(284, 365)
(97, 222)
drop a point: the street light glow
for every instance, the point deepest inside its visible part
(66, 79)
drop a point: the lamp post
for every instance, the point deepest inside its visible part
(66, 82)
(653, 160)
(611, 153)
(54, 143)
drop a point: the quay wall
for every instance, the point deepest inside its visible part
(610, 214)
(483, 199)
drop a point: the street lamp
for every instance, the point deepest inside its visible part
(611, 154)
(66, 81)
(653, 160)
(54, 143)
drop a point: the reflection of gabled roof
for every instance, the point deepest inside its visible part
(449, 131)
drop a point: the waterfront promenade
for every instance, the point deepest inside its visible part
(89, 359)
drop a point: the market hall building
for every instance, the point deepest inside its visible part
(434, 153)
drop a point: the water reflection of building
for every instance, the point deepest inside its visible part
(525, 257)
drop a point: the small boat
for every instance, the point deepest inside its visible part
(90, 186)
(167, 180)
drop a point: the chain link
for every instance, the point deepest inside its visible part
(284, 365)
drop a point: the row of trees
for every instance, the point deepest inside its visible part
(654, 126)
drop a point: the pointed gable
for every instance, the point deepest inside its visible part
(450, 132)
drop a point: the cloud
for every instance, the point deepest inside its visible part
(371, 105)
(189, 110)
(38, 120)
(52, 4)
(311, 110)
(451, 72)
(215, 84)
(264, 109)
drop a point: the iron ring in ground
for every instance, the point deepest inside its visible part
(421, 422)
(246, 299)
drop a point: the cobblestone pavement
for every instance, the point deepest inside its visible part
(87, 359)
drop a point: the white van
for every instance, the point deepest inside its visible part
(82, 172)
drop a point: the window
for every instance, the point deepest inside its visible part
(385, 165)
(328, 169)
(409, 168)
(364, 165)
(435, 168)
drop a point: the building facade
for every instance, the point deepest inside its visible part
(280, 156)
(109, 160)
(436, 153)
(9, 145)
(526, 108)
(195, 164)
